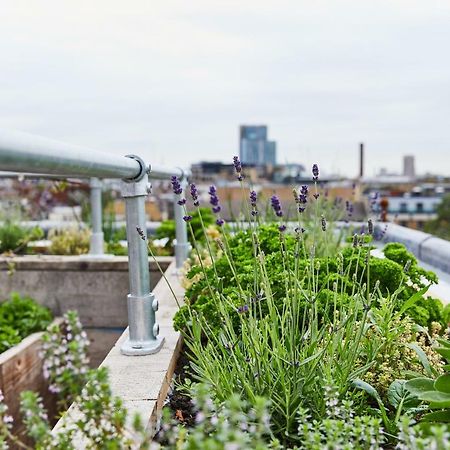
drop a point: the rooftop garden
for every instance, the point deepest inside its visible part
(296, 336)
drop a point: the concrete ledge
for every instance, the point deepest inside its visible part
(71, 263)
(97, 289)
(142, 382)
(428, 248)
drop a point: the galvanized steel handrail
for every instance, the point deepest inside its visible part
(20, 152)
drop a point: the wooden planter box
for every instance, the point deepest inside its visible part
(21, 370)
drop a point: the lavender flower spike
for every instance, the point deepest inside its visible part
(253, 200)
(238, 167)
(176, 186)
(214, 199)
(315, 172)
(276, 205)
(194, 194)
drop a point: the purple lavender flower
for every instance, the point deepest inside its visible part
(242, 309)
(276, 205)
(194, 194)
(303, 198)
(238, 167)
(315, 172)
(220, 222)
(316, 196)
(282, 228)
(187, 218)
(182, 201)
(253, 200)
(176, 186)
(214, 199)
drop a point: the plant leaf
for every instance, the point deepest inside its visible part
(436, 399)
(437, 416)
(414, 299)
(444, 351)
(444, 342)
(422, 358)
(418, 386)
(360, 384)
(397, 394)
(442, 383)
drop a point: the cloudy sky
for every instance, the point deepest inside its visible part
(172, 80)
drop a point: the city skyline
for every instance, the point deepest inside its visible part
(172, 81)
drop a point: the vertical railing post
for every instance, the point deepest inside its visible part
(141, 302)
(182, 246)
(96, 241)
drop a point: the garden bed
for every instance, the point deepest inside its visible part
(20, 370)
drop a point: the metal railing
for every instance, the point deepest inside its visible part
(21, 152)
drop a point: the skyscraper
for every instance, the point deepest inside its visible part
(254, 148)
(408, 166)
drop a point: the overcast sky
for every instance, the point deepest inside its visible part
(172, 80)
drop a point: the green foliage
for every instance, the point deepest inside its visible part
(64, 348)
(14, 238)
(19, 317)
(234, 424)
(283, 255)
(435, 392)
(339, 428)
(426, 310)
(446, 314)
(69, 241)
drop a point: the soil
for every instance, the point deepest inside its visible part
(178, 402)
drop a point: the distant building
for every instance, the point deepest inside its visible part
(254, 148)
(408, 166)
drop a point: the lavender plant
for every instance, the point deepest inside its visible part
(289, 320)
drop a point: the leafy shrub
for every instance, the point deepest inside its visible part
(69, 241)
(280, 256)
(435, 392)
(14, 238)
(19, 317)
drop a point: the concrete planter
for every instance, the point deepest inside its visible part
(96, 288)
(21, 370)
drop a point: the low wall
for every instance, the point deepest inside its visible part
(96, 288)
(426, 247)
(21, 370)
(143, 382)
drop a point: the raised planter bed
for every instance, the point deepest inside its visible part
(96, 288)
(21, 370)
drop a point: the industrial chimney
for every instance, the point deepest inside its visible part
(361, 160)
